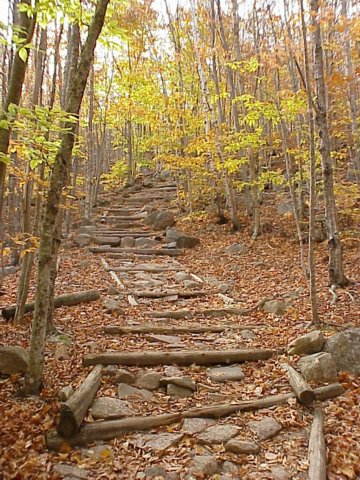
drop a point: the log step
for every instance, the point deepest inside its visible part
(171, 252)
(168, 293)
(181, 329)
(198, 357)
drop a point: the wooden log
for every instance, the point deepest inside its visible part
(121, 234)
(151, 268)
(317, 447)
(329, 391)
(168, 293)
(126, 218)
(169, 330)
(201, 357)
(73, 412)
(171, 252)
(66, 300)
(105, 240)
(304, 393)
(109, 429)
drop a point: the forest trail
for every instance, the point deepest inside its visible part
(174, 398)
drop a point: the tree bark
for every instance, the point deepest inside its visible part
(304, 393)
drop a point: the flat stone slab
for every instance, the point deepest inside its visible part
(126, 391)
(196, 425)
(184, 382)
(157, 441)
(71, 471)
(169, 339)
(226, 374)
(217, 434)
(176, 391)
(309, 343)
(107, 408)
(246, 447)
(148, 380)
(266, 428)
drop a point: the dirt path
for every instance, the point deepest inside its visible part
(184, 321)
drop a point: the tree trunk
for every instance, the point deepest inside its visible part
(58, 180)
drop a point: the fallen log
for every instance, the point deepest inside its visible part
(171, 252)
(221, 410)
(168, 293)
(147, 268)
(122, 234)
(73, 412)
(109, 429)
(66, 300)
(113, 241)
(304, 393)
(160, 329)
(198, 357)
(317, 447)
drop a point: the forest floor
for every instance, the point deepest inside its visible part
(270, 268)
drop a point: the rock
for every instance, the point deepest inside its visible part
(230, 467)
(191, 285)
(176, 391)
(184, 382)
(145, 242)
(182, 240)
(98, 452)
(248, 334)
(223, 287)
(122, 376)
(13, 360)
(71, 471)
(106, 240)
(112, 290)
(196, 425)
(285, 207)
(318, 367)
(65, 393)
(148, 380)
(82, 240)
(278, 472)
(310, 343)
(160, 220)
(266, 428)
(171, 371)
(112, 306)
(217, 434)
(225, 374)
(236, 249)
(126, 391)
(182, 276)
(61, 352)
(169, 339)
(85, 264)
(61, 338)
(159, 473)
(127, 242)
(157, 441)
(246, 447)
(204, 465)
(8, 270)
(86, 229)
(108, 408)
(344, 348)
(276, 307)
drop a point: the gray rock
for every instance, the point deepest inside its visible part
(236, 249)
(82, 240)
(108, 408)
(182, 240)
(171, 371)
(168, 339)
(126, 391)
(182, 276)
(225, 374)
(71, 470)
(248, 334)
(98, 451)
(276, 307)
(145, 242)
(318, 367)
(61, 352)
(13, 360)
(344, 348)
(61, 338)
(86, 229)
(106, 240)
(204, 465)
(230, 468)
(157, 441)
(65, 393)
(223, 287)
(122, 376)
(246, 447)
(184, 382)
(113, 306)
(112, 290)
(285, 207)
(176, 391)
(148, 380)
(310, 343)
(191, 284)
(278, 472)
(160, 220)
(127, 242)
(160, 473)
(217, 434)
(196, 425)
(266, 428)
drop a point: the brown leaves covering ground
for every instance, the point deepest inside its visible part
(270, 268)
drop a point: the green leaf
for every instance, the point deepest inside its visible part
(23, 54)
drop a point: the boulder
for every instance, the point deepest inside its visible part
(13, 360)
(143, 242)
(276, 307)
(344, 348)
(266, 428)
(247, 447)
(203, 465)
(127, 242)
(225, 374)
(160, 220)
(310, 343)
(217, 434)
(318, 367)
(236, 249)
(148, 380)
(108, 408)
(113, 306)
(181, 239)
